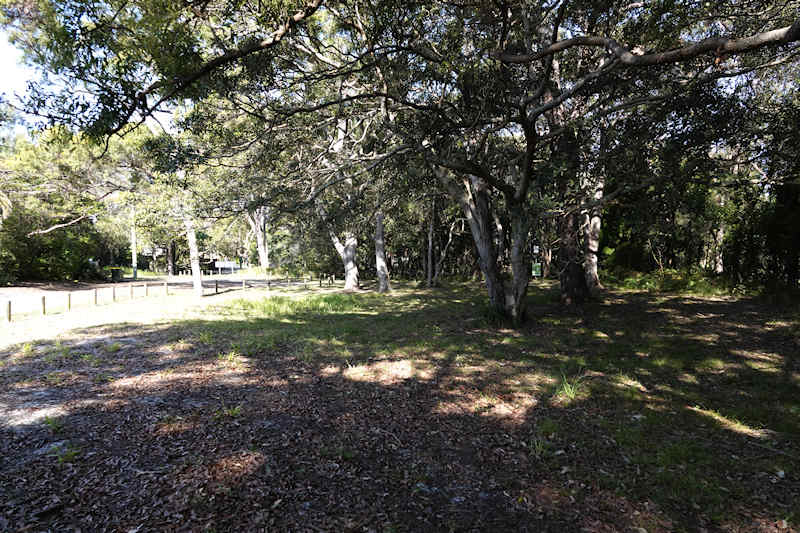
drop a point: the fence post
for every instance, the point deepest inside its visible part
(113, 294)
(69, 301)
(166, 289)
(244, 284)
(146, 292)
(131, 287)
(216, 286)
(268, 284)
(95, 297)
(44, 306)
(8, 311)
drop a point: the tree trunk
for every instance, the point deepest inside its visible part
(257, 219)
(520, 263)
(171, 258)
(347, 252)
(194, 256)
(591, 238)
(573, 277)
(473, 197)
(133, 244)
(380, 255)
(429, 263)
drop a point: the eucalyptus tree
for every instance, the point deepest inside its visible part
(499, 98)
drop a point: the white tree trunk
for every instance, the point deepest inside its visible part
(257, 219)
(194, 256)
(380, 255)
(134, 258)
(591, 238)
(347, 252)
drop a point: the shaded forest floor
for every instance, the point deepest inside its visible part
(354, 412)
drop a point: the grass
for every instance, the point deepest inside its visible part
(671, 402)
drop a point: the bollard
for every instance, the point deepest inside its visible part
(216, 286)
(244, 284)
(44, 306)
(145, 289)
(8, 311)
(166, 289)
(69, 301)
(131, 287)
(268, 285)
(95, 297)
(113, 294)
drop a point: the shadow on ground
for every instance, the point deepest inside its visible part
(360, 413)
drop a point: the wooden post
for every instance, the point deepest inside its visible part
(44, 306)
(95, 297)
(216, 286)
(166, 289)
(69, 301)
(131, 287)
(113, 294)
(268, 284)
(145, 289)
(244, 284)
(8, 311)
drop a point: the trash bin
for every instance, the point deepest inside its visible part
(116, 274)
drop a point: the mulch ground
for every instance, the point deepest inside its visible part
(135, 429)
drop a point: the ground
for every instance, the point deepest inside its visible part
(314, 411)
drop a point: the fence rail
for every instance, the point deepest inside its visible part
(27, 307)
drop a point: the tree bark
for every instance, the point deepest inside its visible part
(257, 219)
(347, 252)
(591, 237)
(380, 255)
(171, 258)
(194, 256)
(520, 263)
(429, 263)
(473, 197)
(134, 258)
(573, 277)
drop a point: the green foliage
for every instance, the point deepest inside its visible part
(693, 281)
(63, 254)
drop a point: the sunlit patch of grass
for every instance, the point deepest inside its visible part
(112, 348)
(729, 423)
(571, 388)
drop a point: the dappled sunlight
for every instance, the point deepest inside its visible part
(345, 399)
(731, 424)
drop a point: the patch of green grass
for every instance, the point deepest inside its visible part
(68, 454)
(54, 424)
(112, 348)
(90, 359)
(570, 388)
(228, 412)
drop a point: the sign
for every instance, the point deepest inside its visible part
(226, 264)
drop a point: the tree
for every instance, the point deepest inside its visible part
(499, 99)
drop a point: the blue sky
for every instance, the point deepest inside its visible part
(13, 75)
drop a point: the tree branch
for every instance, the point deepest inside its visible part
(717, 45)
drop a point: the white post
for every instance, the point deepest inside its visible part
(8, 311)
(95, 297)
(44, 306)
(166, 289)
(69, 301)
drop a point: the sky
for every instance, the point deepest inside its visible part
(13, 75)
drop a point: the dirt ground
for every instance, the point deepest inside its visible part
(405, 413)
